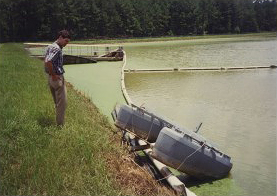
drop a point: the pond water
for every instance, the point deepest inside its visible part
(237, 108)
(98, 81)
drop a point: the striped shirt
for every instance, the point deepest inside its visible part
(55, 55)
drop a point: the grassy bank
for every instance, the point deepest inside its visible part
(38, 158)
(171, 38)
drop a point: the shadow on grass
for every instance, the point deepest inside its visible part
(45, 121)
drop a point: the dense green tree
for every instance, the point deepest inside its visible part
(270, 9)
(247, 18)
(144, 17)
(130, 20)
(260, 13)
(205, 14)
(23, 20)
(4, 26)
(224, 10)
(182, 17)
(159, 15)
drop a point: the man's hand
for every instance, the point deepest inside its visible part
(54, 77)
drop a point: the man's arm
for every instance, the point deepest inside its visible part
(49, 66)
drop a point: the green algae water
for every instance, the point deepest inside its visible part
(237, 108)
(98, 81)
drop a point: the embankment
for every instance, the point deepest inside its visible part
(82, 158)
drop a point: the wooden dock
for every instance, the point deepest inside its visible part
(198, 69)
(79, 54)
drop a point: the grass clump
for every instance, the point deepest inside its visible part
(38, 158)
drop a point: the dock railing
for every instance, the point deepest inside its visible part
(81, 50)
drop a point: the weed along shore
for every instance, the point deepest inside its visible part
(82, 158)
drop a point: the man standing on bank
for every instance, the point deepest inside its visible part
(54, 68)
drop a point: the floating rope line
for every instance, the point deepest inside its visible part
(180, 69)
(150, 128)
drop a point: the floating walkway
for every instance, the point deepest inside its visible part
(199, 69)
(115, 55)
(79, 54)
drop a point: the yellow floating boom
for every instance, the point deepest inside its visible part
(198, 69)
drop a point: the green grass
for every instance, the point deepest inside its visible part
(36, 156)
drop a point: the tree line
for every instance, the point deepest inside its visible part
(29, 20)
